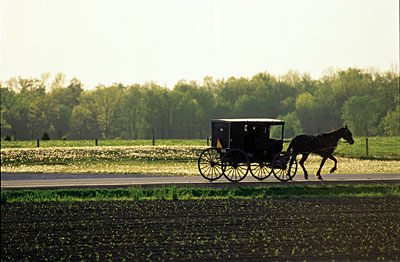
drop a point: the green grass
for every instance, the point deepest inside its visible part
(185, 193)
(113, 142)
(380, 148)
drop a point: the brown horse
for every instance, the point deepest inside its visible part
(321, 144)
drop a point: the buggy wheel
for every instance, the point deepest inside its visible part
(260, 171)
(235, 165)
(210, 164)
(284, 166)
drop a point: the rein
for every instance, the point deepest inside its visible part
(338, 141)
(332, 146)
(347, 144)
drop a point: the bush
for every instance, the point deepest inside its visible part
(7, 138)
(64, 138)
(391, 122)
(45, 136)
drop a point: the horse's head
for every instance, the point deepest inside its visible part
(346, 134)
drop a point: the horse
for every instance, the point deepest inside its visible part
(321, 144)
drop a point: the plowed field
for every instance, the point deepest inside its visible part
(203, 230)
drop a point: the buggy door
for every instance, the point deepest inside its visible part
(220, 131)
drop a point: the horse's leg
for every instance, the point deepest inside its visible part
(302, 160)
(334, 160)
(318, 175)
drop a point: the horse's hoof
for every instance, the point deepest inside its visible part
(332, 170)
(319, 177)
(306, 177)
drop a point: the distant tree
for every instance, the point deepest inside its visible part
(387, 92)
(249, 106)
(131, 104)
(45, 136)
(192, 111)
(107, 100)
(45, 77)
(205, 97)
(30, 106)
(307, 110)
(64, 100)
(28, 95)
(233, 89)
(329, 110)
(273, 97)
(360, 114)
(58, 81)
(80, 123)
(7, 99)
(155, 112)
(41, 115)
(84, 122)
(391, 122)
(292, 125)
(351, 82)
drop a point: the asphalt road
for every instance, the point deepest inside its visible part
(34, 180)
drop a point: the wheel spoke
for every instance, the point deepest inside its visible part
(213, 172)
(209, 164)
(235, 165)
(260, 171)
(284, 166)
(206, 169)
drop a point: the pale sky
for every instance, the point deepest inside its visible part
(138, 41)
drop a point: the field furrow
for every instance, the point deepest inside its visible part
(203, 230)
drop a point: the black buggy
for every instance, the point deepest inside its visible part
(240, 145)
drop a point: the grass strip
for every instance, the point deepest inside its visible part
(101, 143)
(186, 193)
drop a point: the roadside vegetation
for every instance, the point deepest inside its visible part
(171, 157)
(189, 193)
(112, 142)
(381, 148)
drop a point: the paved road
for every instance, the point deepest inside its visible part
(32, 180)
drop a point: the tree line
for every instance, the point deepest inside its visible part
(368, 102)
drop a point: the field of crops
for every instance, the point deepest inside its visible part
(351, 229)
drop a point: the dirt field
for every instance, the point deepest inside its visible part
(203, 230)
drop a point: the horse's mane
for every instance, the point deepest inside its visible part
(334, 131)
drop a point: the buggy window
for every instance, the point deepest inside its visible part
(276, 132)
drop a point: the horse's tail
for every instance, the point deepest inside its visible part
(290, 147)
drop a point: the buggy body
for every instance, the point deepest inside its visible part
(252, 136)
(242, 145)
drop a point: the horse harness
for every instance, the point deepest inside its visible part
(319, 143)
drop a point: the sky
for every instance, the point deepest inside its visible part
(164, 41)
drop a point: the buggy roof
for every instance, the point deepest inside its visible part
(251, 120)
